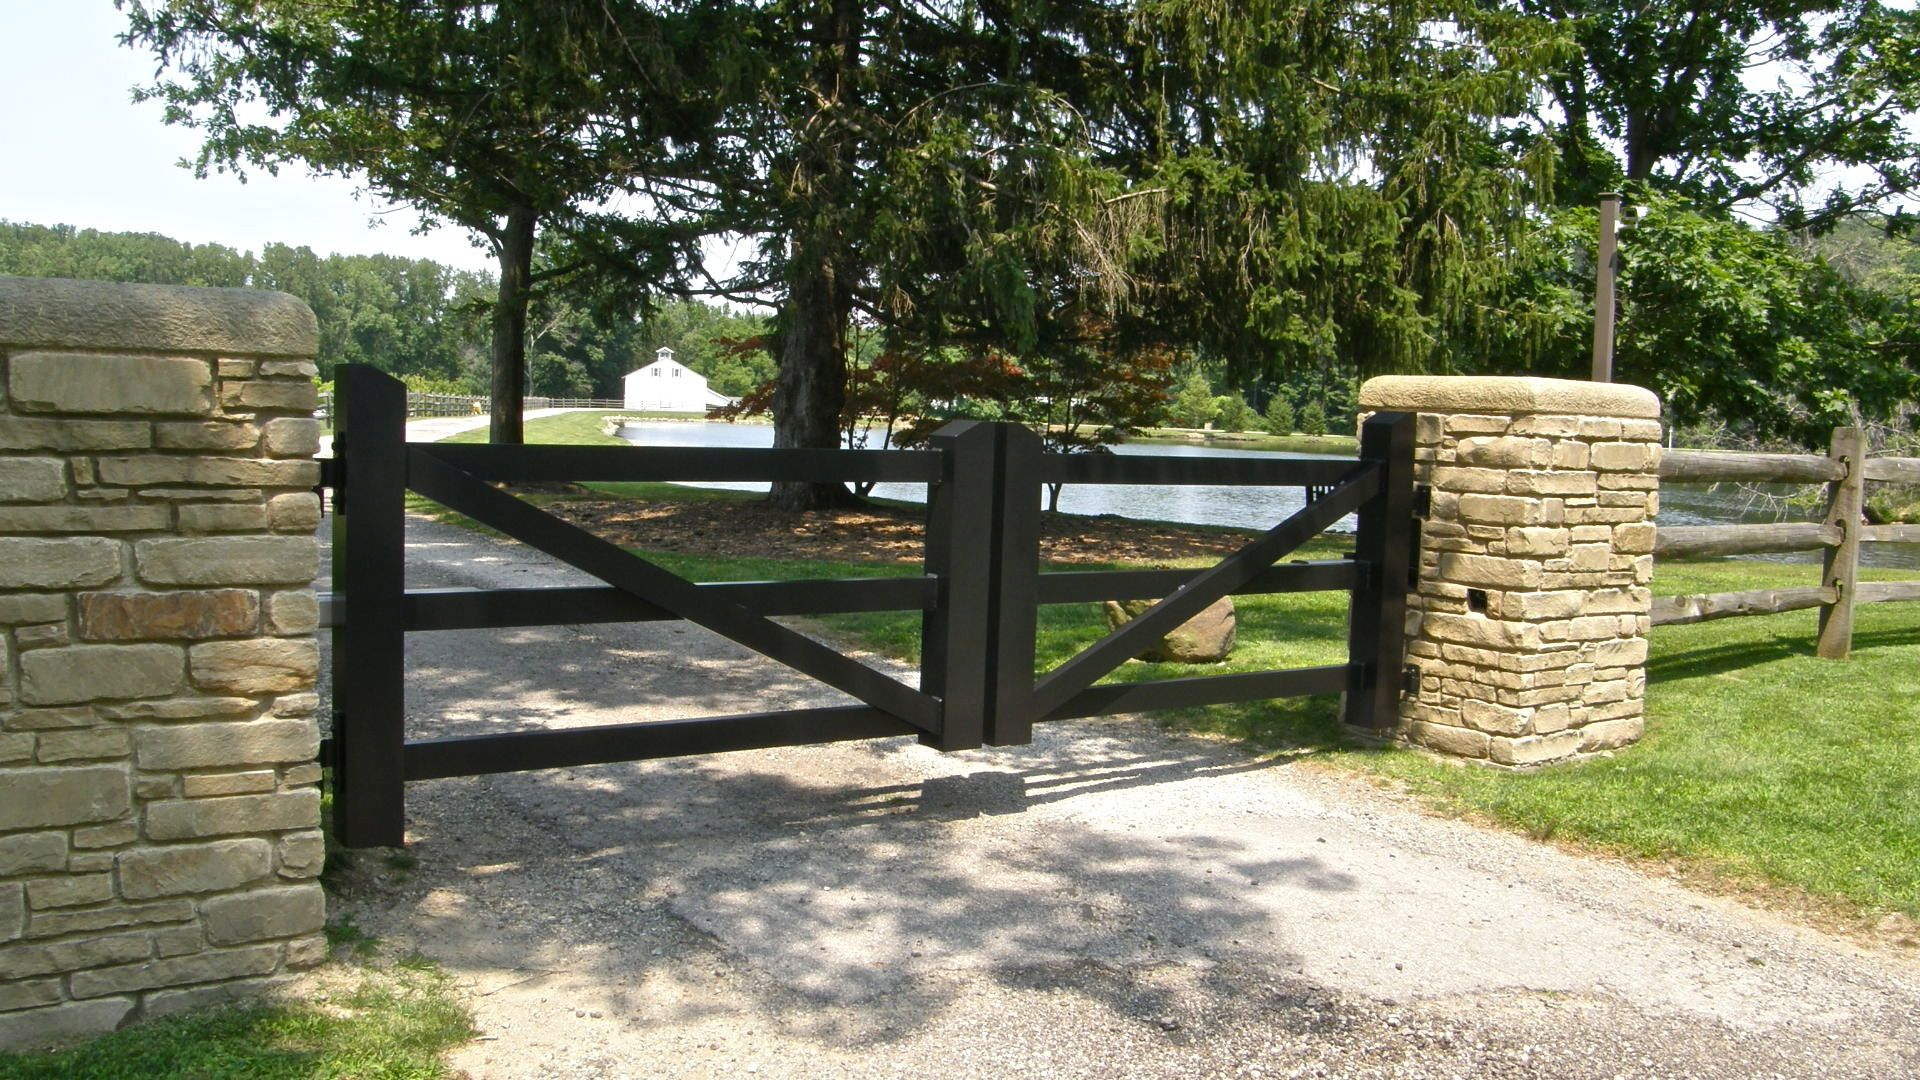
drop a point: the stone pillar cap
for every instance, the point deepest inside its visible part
(106, 315)
(1503, 395)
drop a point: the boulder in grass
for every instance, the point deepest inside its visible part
(1204, 639)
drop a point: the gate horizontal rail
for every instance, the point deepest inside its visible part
(977, 597)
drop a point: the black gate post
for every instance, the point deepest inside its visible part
(369, 553)
(1376, 624)
(1015, 540)
(954, 635)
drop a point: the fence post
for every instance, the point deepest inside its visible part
(954, 635)
(369, 553)
(1376, 626)
(1841, 572)
(1015, 542)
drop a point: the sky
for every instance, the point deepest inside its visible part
(76, 150)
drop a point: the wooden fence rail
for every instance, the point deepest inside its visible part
(1846, 470)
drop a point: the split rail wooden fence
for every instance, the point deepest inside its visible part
(1846, 470)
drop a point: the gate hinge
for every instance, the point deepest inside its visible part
(1410, 680)
(1422, 500)
(333, 474)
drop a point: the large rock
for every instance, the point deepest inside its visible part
(1204, 639)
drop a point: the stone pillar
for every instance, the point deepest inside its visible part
(1529, 625)
(159, 809)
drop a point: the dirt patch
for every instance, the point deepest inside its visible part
(871, 534)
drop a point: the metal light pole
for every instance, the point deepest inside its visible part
(1603, 288)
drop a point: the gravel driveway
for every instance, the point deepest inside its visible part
(1109, 901)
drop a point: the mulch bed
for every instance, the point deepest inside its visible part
(869, 534)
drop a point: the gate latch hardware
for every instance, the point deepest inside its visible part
(1410, 680)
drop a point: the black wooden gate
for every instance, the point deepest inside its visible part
(979, 593)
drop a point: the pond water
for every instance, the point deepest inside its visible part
(1243, 507)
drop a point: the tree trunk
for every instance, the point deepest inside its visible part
(811, 388)
(510, 327)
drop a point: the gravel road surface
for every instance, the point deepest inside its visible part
(1111, 901)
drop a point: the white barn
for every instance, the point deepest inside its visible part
(667, 385)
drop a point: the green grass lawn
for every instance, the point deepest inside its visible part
(395, 1024)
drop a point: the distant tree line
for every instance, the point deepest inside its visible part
(413, 318)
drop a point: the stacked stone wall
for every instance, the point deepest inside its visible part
(1529, 622)
(159, 808)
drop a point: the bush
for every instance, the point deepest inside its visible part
(1193, 404)
(1280, 415)
(1232, 413)
(1313, 419)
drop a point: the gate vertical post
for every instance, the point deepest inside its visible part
(954, 635)
(1015, 541)
(369, 553)
(1376, 625)
(1841, 571)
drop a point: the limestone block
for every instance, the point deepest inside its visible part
(1495, 719)
(206, 435)
(1624, 457)
(1611, 734)
(300, 776)
(1528, 482)
(133, 616)
(1458, 741)
(302, 704)
(48, 719)
(1558, 604)
(28, 995)
(217, 745)
(16, 747)
(33, 853)
(1502, 452)
(36, 1028)
(68, 795)
(28, 562)
(264, 914)
(211, 966)
(22, 608)
(1585, 558)
(293, 437)
(1502, 510)
(1571, 454)
(1473, 481)
(194, 708)
(88, 672)
(1490, 571)
(13, 911)
(228, 560)
(182, 869)
(1537, 540)
(208, 472)
(1534, 749)
(1599, 428)
(78, 382)
(1205, 638)
(62, 923)
(255, 782)
(41, 637)
(1482, 632)
(26, 961)
(1556, 427)
(71, 890)
(256, 665)
(84, 519)
(297, 512)
(1468, 424)
(83, 744)
(294, 612)
(235, 368)
(194, 818)
(302, 369)
(203, 518)
(307, 951)
(90, 862)
(1633, 538)
(104, 836)
(288, 396)
(29, 479)
(302, 854)
(151, 786)
(35, 433)
(1548, 719)
(172, 318)
(194, 998)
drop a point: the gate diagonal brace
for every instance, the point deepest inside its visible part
(466, 494)
(1236, 570)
